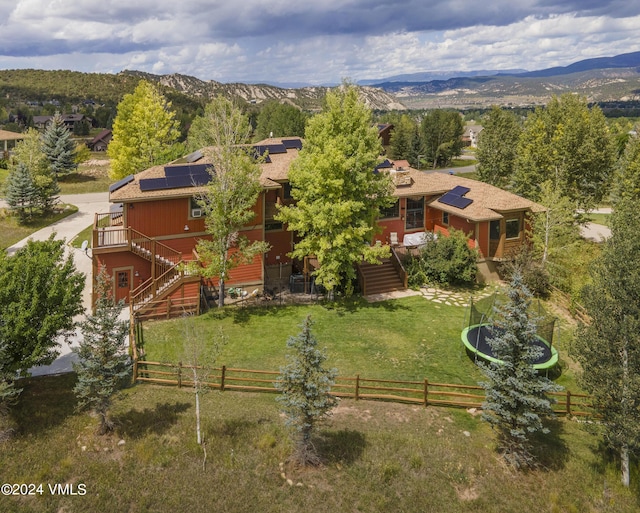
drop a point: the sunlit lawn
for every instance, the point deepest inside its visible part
(11, 231)
(408, 339)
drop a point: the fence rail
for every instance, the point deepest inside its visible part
(415, 392)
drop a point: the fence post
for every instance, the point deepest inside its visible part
(134, 377)
(568, 402)
(179, 374)
(426, 392)
(357, 393)
(168, 308)
(224, 371)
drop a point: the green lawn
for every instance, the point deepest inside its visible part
(603, 219)
(11, 231)
(378, 457)
(406, 339)
(91, 176)
(85, 234)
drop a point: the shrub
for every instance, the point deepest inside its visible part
(445, 260)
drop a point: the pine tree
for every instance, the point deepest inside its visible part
(59, 147)
(516, 395)
(608, 348)
(305, 385)
(20, 192)
(103, 360)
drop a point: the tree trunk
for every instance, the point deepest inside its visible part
(624, 464)
(198, 435)
(221, 293)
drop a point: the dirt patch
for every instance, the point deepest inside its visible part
(467, 494)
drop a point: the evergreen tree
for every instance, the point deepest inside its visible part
(608, 348)
(230, 195)
(145, 132)
(280, 120)
(103, 359)
(305, 386)
(441, 137)
(497, 146)
(405, 141)
(59, 147)
(516, 395)
(21, 193)
(338, 196)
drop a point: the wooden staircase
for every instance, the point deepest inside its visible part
(381, 278)
(167, 271)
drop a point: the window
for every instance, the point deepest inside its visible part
(415, 213)
(286, 190)
(512, 228)
(390, 212)
(494, 230)
(270, 226)
(445, 218)
(123, 279)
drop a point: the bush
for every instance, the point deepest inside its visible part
(534, 275)
(446, 260)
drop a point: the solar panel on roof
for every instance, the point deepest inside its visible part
(188, 169)
(292, 144)
(194, 157)
(121, 183)
(459, 190)
(455, 201)
(384, 165)
(153, 184)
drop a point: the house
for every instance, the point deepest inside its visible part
(384, 132)
(70, 121)
(155, 222)
(101, 141)
(470, 135)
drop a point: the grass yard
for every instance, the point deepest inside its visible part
(86, 234)
(597, 218)
(378, 457)
(91, 176)
(11, 231)
(405, 339)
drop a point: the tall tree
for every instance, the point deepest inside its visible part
(103, 360)
(305, 386)
(405, 140)
(441, 136)
(338, 196)
(29, 152)
(497, 147)
(516, 395)
(230, 195)
(569, 143)
(59, 147)
(21, 193)
(608, 348)
(280, 120)
(38, 307)
(145, 132)
(627, 175)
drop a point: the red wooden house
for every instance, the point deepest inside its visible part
(155, 222)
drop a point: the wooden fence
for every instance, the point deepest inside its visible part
(421, 392)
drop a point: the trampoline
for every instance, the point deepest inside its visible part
(475, 340)
(476, 335)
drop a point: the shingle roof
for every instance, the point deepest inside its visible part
(489, 202)
(272, 173)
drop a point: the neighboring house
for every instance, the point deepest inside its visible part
(384, 132)
(5, 136)
(470, 135)
(101, 141)
(155, 223)
(70, 121)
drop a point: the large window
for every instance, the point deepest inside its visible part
(512, 228)
(415, 213)
(390, 212)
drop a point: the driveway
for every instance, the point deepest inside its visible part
(68, 228)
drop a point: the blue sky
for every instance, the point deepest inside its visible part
(319, 42)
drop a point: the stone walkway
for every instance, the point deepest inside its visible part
(451, 298)
(445, 297)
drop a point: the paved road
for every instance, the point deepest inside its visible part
(68, 228)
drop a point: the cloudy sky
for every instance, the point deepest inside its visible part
(316, 42)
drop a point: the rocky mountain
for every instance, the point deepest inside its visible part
(309, 98)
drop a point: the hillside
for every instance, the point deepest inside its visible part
(30, 85)
(607, 79)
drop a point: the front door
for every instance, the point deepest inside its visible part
(122, 284)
